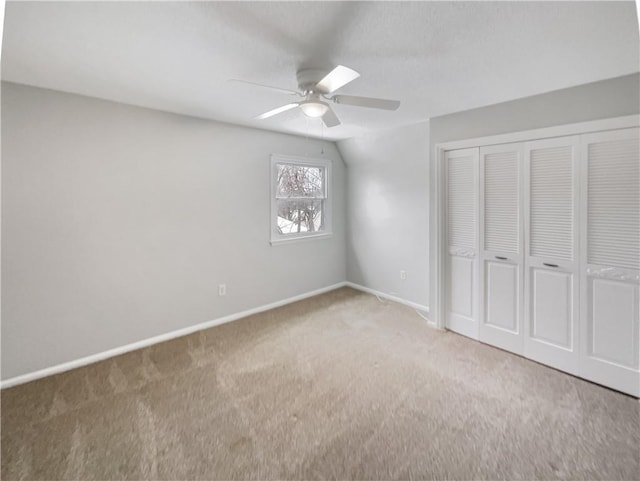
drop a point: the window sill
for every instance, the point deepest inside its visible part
(302, 238)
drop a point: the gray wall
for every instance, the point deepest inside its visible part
(119, 223)
(598, 100)
(608, 98)
(388, 211)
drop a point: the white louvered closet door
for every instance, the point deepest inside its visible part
(551, 252)
(610, 259)
(462, 241)
(501, 246)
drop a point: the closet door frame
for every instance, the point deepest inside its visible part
(438, 216)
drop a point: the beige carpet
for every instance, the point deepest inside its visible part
(341, 386)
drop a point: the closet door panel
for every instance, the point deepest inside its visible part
(551, 201)
(610, 259)
(500, 187)
(502, 296)
(462, 241)
(501, 246)
(461, 287)
(613, 322)
(551, 307)
(551, 252)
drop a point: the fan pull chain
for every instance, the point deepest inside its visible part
(307, 134)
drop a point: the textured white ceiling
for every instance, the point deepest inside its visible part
(436, 58)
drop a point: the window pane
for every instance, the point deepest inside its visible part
(296, 216)
(300, 181)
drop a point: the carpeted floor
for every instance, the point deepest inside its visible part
(340, 386)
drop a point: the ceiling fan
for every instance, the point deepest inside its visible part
(316, 88)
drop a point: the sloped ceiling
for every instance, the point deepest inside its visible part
(436, 57)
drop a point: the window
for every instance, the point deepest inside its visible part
(300, 203)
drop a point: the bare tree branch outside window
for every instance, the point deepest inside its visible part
(300, 194)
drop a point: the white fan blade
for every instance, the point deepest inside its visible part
(338, 77)
(368, 102)
(277, 89)
(330, 118)
(277, 111)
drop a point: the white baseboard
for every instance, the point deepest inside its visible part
(83, 361)
(391, 297)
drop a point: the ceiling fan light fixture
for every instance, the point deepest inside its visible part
(314, 108)
(314, 95)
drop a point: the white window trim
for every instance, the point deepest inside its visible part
(279, 239)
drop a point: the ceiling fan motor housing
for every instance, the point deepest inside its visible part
(308, 78)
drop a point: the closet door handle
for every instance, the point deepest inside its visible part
(549, 265)
(501, 258)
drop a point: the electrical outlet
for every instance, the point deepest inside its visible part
(222, 290)
(403, 275)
